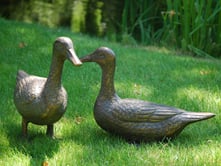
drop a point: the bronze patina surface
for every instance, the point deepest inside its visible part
(42, 100)
(132, 119)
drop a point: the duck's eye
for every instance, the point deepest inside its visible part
(101, 56)
(58, 46)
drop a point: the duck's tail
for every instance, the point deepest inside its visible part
(21, 74)
(197, 116)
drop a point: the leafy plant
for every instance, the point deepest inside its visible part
(193, 24)
(140, 19)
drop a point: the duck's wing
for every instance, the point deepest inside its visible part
(29, 89)
(132, 110)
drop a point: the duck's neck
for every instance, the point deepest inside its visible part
(55, 73)
(107, 90)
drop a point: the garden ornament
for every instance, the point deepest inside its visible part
(135, 120)
(40, 100)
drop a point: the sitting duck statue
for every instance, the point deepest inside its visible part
(133, 119)
(40, 100)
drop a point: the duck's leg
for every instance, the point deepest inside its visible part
(50, 130)
(24, 127)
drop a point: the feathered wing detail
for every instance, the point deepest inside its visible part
(132, 110)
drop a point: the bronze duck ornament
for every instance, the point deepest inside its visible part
(40, 100)
(135, 120)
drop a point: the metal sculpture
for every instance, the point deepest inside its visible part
(135, 120)
(40, 100)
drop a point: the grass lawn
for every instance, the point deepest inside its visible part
(148, 73)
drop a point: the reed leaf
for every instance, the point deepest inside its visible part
(192, 24)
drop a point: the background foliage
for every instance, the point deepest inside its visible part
(192, 25)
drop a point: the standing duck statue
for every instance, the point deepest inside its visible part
(135, 120)
(40, 100)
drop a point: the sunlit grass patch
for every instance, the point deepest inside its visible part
(200, 99)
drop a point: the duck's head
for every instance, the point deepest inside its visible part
(101, 56)
(63, 46)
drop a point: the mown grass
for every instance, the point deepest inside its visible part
(154, 74)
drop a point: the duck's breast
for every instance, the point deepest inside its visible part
(103, 114)
(56, 103)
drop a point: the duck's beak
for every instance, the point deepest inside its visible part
(71, 55)
(86, 58)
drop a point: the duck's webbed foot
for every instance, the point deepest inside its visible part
(50, 130)
(24, 128)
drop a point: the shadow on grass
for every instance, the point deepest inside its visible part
(98, 146)
(37, 147)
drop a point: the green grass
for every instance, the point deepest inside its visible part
(154, 74)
